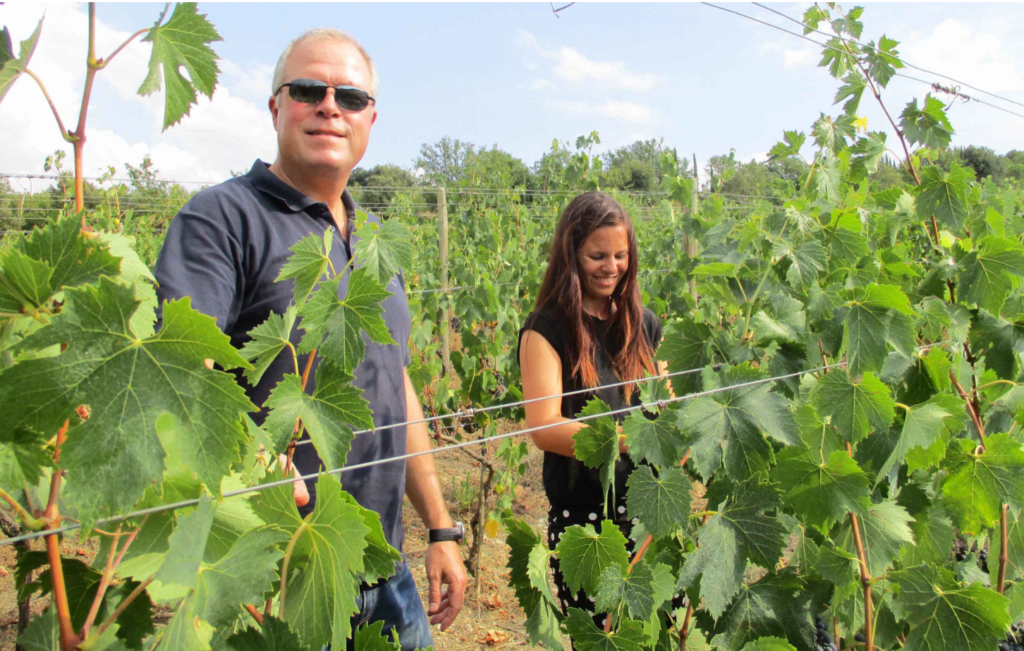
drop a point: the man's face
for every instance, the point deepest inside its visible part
(323, 136)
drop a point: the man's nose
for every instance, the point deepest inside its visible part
(327, 107)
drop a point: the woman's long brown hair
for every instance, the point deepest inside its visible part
(563, 291)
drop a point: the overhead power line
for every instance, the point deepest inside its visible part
(659, 404)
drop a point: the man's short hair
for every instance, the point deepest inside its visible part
(325, 34)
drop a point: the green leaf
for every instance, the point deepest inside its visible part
(687, 346)
(944, 195)
(807, 260)
(822, 490)
(268, 340)
(877, 314)
(883, 61)
(777, 605)
(867, 154)
(836, 59)
(643, 590)
(927, 126)
(662, 503)
(715, 270)
(657, 441)
(832, 134)
(274, 635)
(922, 426)
(187, 545)
(12, 68)
(597, 444)
(384, 248)
(344, 320)
(739, 531)
(852, 90)
(769, 644)
(309, 262)
(884, 530)
(977, 485)
(999, 342)
(528, 558)
(370, 637)
(23, 455)
(43, 633)
(379, 558)
(731, 425)
(182, 43)
(792, 142)
(990, 271)
(328, 415)
(948, 616)
(584, 554)
(827, 178)
(132, 271)
(932, 528)
(24, 284)
(783, 321)
(128, 383)
(848, 244)
(78, 259)
(586, 636)
(856, 408)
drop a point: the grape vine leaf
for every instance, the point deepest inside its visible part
(884, 529)
(792, 142)
(274, 635)
(24, 284)
(769, 644)
(852, 90)
(739, 531)
(782, 321)
(327, 557)
(181, 43)
(990, 271)
(128, 383)
(922, 426)
(815, 433)
(978, 484)
(23, 455)
(379, 558)
(867, 154)
(847, 243)
(586, 636)
(267, 341)
(944, 195)
(876, 314)
(76, 258)
(371, 638)
(932, 528)
(687, 346)
(43, 632)
(584, 554)
(999, 341)
(643, 590)
(836, 58)
(947, 615)
(385, 248)
(730, 425)
(12, 67)
(832, 134)
(883, 60)
(597, 444)
(661, 503)
(343, 321)
(132, 271)
(855, 408)
(657, 441)
(309, 262)
(827, 178)
(822, 490)
(806, 259)
(542, 617)
(777, 605)
(928, 125)
(327, 415)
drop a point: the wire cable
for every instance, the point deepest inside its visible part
(660, 404)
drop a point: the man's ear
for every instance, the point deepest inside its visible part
(272, 105)
(374, 119)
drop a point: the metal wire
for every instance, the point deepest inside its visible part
(402, 457)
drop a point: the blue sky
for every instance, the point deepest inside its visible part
(508, 74)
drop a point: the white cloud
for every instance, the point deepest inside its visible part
(625, 111)
(792, 58)
(981, 59)
(570, 65)
(541, 84)
(226, 133)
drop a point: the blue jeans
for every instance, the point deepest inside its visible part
(398, 603)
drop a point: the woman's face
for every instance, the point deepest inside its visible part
(603, 260)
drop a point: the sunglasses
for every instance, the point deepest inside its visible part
(312, 91)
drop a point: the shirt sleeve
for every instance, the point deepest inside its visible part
(202, 259)
(543, 325)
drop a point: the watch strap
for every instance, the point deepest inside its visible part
(447, 533)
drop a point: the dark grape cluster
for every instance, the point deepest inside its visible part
(823, 641)
(456, 323)
(983, 558)
(960, 550)
(1014, 638)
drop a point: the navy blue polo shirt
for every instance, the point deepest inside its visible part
(224, 249)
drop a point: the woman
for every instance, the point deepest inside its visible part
(589, 329)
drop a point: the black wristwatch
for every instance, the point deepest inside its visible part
(455, 533)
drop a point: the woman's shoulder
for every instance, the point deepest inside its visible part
(545, 322)
(652, 327)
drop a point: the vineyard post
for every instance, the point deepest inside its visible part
(442, 246)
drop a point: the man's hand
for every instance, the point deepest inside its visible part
(299, 487)
(445, 568)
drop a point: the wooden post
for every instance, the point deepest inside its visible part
(442, 245)
(691, 243)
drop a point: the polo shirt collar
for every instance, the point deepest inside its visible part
(267, 182)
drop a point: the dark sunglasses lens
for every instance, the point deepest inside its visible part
(351, 99)
(307, 93)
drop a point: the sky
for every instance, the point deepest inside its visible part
(511, 75)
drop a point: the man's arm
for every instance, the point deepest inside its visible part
(443, 559)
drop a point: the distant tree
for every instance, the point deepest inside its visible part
(496, 168)
(984, 162)
(631, 175)
(391, 177)
(624, 165)
(144, 177)
(546, 173)
(445, 161)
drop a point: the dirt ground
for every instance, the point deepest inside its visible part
(494, 621)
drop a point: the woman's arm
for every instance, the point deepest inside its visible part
(542, 376)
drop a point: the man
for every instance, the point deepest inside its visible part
(226, 247)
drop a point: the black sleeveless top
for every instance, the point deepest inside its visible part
(567, 481)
